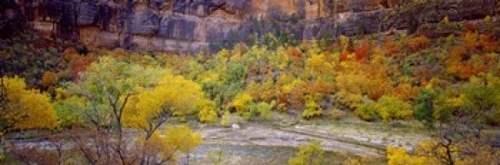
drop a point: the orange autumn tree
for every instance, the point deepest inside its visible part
(418, 43)
(368, 78)
(24, 108)
(463, 64)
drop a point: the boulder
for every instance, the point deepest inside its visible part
(235, 126)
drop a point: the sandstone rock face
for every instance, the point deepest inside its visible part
(88, 13)
(145, 22)
(177, 27)
(166, 24)
(364, 22)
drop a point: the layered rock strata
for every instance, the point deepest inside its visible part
(183, 25)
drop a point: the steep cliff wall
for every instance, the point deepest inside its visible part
(172, 25)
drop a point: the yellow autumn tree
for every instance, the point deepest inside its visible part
(438, 152)
(399, 156)
(182, 138)
(113, 94)
(312, 108)
(169, 145)
(241, 102)
(318, 64)
(173, 96)
(24, 108)
(107, 87)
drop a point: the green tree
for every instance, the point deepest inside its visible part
(424, 106)
(476, 100)
(107, 86)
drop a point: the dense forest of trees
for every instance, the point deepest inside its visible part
(449, 83)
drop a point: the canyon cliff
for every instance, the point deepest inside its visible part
(185, 25)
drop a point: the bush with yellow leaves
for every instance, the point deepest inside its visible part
(311, 154)
(391, 108)
(24, 108)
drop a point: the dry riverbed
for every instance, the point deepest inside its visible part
(264, 142)
(275, 141)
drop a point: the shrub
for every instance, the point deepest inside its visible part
(424, 106)
(405, 92)
(241, 102)
(264, 109)
(225, 118)
(48, 78)
(336, 114)
(362, 51)
(367, 111)
(418, 43)
(310, 154)
(477, 101)
(312, 109)
(390, 108)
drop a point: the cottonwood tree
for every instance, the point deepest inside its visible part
(22, 108)
(117, 94)
(174, 95)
